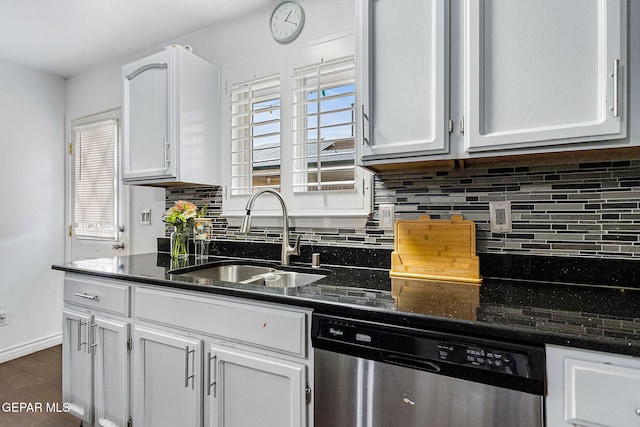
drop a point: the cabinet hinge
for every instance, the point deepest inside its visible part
(129, 422)
(70, 231)
(129, 344)
(70, 150)
(462, 126)
(450, 126)
(225, 88)
(307, 394)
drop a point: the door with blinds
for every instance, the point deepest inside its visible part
(97, 201)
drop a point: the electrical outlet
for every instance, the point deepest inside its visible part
(4, 315)
(387, 216)
(500, 216)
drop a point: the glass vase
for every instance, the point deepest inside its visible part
(178, 244)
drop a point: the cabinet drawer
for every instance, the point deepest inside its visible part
(104, 296)
(282, 330)
(591, 387)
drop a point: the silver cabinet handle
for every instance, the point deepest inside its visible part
(145, 68)
(93, 331)
(186, 367)
(215, 376)
(364, 117)
(87, 296)
(616, 88)
(80, 342)
(167, 147)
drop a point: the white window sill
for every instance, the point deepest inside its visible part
(357, 220)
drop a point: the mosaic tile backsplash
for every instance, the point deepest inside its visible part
(579, 209)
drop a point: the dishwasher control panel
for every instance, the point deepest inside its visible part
(482, 357)
(434, 351)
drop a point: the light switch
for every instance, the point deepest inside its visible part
(145, 216)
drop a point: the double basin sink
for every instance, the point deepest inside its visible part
(254, 273)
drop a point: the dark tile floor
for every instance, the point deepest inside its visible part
(33, 380)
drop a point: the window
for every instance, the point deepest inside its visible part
(255, 135)
(291, 122)
(324, 126)
(95, 179)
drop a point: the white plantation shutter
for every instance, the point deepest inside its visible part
(255, 135)
(290, 123)
(95, 195)
(324, 126)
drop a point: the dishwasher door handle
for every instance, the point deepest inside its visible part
(411, 362)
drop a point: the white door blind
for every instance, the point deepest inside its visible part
(255, 135)
(324, 126)
(95, 194)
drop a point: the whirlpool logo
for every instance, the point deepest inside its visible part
(336, 332)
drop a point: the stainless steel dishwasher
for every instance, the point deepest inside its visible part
(370, 374)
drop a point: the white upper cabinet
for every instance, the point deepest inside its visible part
(445, 80)
(171, 119)
(545, 72)
(404, 74)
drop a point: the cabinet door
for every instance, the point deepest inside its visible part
(77, 375)
(111, 372)
(403, 77)
(589, 388)
(167, 379)
(545, 72)
(246, 389)
(149, 149)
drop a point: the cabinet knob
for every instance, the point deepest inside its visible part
(638, 411)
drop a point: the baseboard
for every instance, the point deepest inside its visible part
(30, 347)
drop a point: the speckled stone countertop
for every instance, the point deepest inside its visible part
(604, 318)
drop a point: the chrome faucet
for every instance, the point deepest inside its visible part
(287, 250)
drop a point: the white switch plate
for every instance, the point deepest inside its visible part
(387, 216)
(145, 216)
(500, 216)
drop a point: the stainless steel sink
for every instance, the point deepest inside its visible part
(285, 279)
(254, 274)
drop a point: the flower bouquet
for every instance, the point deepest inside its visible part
(181, 215)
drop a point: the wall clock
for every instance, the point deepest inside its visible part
(286, 21)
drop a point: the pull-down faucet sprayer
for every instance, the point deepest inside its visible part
(287, 250)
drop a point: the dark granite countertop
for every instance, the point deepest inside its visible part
(604, 318)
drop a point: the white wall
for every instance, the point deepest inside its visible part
(32, 194)
(230, 43)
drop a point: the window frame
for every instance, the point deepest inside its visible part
(317, 209)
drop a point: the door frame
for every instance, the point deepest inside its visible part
(125, 193)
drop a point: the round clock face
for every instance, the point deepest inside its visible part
(286, 21)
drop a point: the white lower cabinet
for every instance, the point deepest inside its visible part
(95, 351)
(77, 365)
(591, 389)
(95, 368)
(246, 389)
(168, 379)
(219, 362)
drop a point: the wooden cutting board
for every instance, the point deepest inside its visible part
(442, 249)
